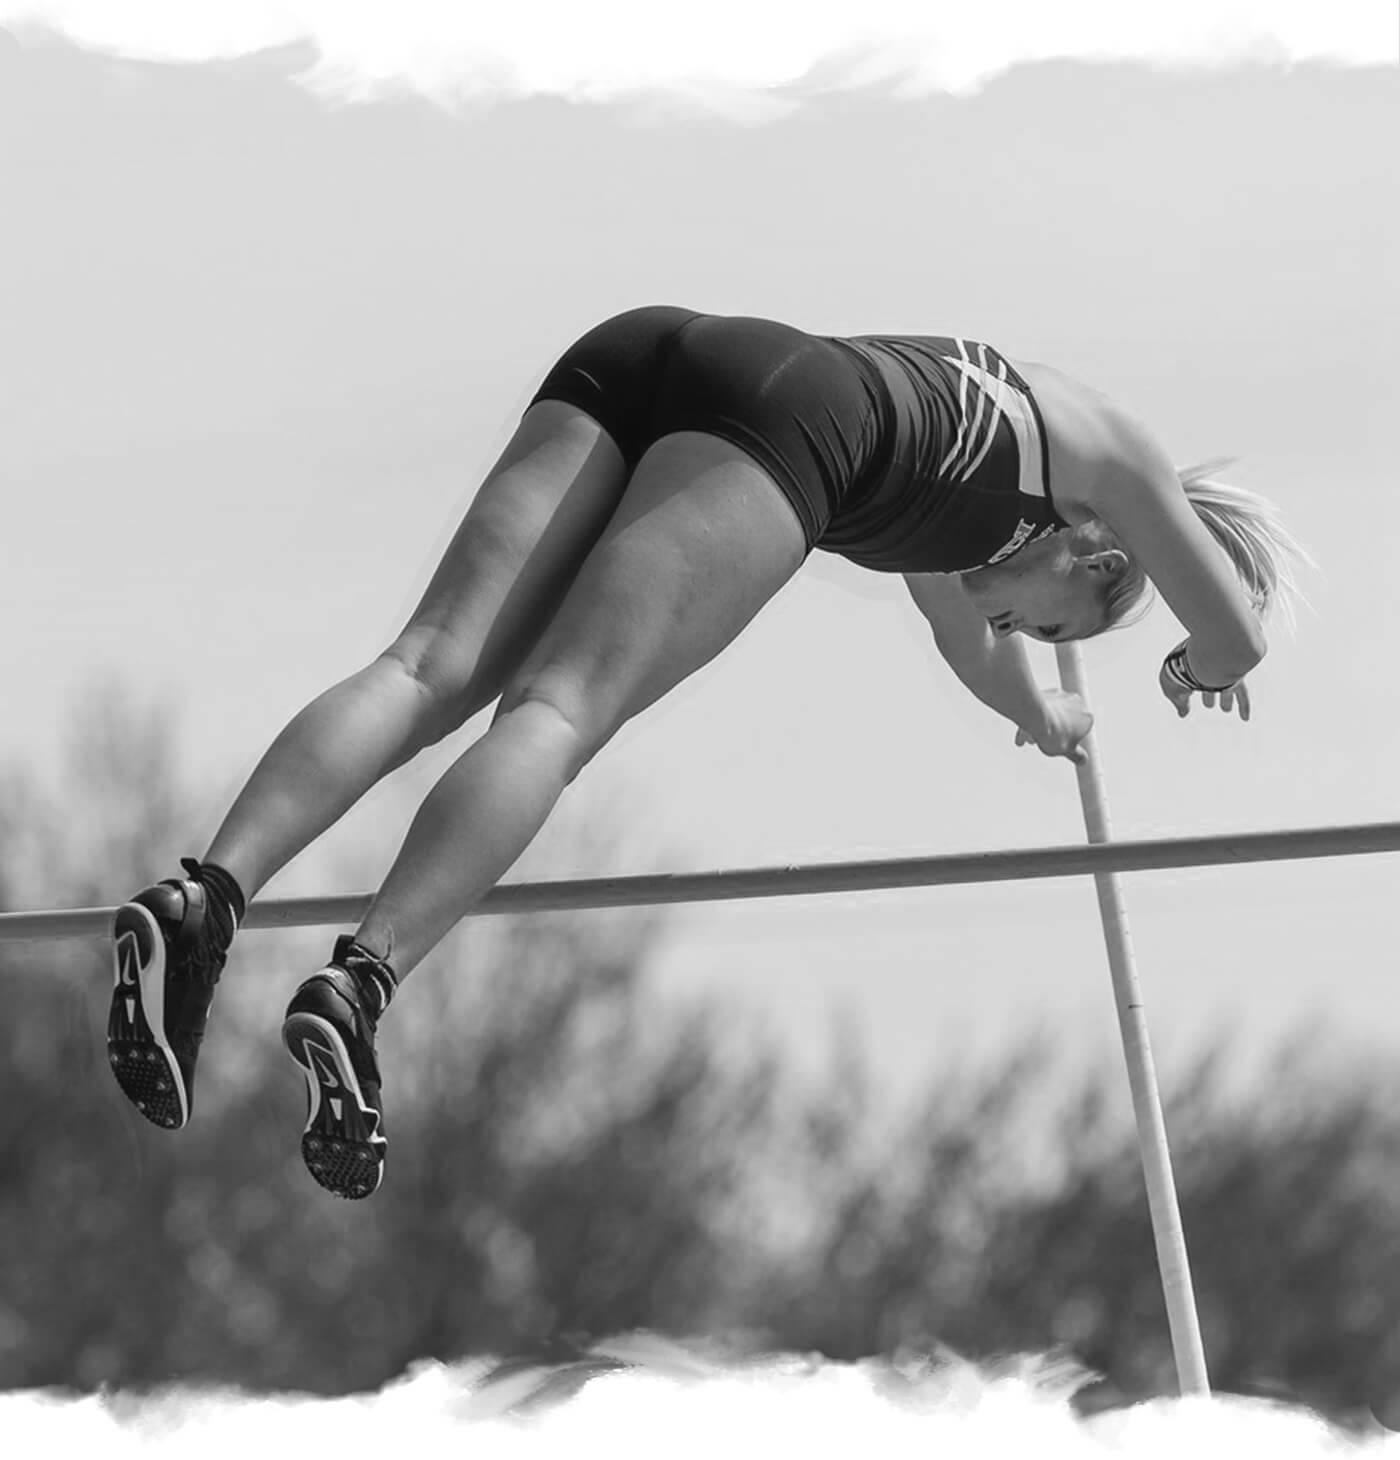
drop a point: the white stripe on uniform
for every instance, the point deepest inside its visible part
(998, 411)
(963, 364)
(1012, 404)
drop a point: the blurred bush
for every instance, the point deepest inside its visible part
(570, 1157)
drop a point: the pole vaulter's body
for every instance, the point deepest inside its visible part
(673, 471)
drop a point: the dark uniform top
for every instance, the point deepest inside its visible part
(960, 475)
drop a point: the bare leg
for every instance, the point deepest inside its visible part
(328, 756)
(472, 827)
(701, 540)
(519, 546)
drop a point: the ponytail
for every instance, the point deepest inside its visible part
(1246, 527)
(1251, 534)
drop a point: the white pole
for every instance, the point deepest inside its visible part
(1147, 1106)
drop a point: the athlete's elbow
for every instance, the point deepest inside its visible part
(1248, 655)
(1258, 644)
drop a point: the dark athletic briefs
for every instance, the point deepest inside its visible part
(903, 453)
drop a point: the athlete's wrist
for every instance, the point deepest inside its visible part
(1177, 668)
(1035, 717)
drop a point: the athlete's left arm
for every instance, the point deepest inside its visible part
(997, 670)
(1139, 495)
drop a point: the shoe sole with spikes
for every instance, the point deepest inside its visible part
(342, 1144)
(140, 1055)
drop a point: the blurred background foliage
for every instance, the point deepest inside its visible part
(572, 1157)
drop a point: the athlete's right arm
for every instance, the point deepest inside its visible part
(1112, 467)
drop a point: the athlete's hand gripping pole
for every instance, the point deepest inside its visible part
(1066, 723)
(1147, 1105)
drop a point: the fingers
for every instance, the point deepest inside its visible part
(1236, 698)
(1076, 753)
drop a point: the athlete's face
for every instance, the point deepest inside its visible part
(1044, 591)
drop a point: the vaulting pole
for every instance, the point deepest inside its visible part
(1147, 1106)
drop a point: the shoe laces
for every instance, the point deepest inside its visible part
(372, 976)
(203, 958)
(205, 962)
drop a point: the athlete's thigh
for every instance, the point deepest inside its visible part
(702, 539)
(529, 527)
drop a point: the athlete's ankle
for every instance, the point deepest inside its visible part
(371, 970)
(227, 905)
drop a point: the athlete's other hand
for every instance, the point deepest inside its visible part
(1067, 722)
(1236, 697)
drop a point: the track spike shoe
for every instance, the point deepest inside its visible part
(329, 1031)
(167, 957)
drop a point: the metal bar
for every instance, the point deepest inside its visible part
(1165, 1211)
(822, 879)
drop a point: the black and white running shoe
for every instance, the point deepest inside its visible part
(329, 1031)
(167, 957)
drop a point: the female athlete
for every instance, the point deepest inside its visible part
(672, 472)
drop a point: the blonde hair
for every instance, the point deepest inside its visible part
(1246, 527)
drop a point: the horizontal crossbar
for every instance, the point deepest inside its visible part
(821, 879)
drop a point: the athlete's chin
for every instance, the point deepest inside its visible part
(989, 598)
(976, 583)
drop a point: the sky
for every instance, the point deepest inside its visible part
(277, 281)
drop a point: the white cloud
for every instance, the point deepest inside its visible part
(714, 53)
(677, 1399)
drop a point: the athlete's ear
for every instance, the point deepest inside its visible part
(1108, 563)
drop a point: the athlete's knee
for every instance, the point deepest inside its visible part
(560, 713)
(442, 675)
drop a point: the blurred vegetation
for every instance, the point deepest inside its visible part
(571, 1157)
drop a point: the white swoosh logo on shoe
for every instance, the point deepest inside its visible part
(327, 1071)
(128, 960)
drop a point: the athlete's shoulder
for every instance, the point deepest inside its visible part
(1094, 441)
